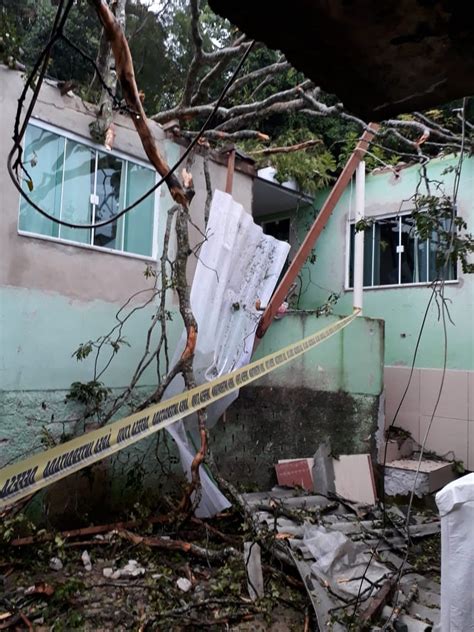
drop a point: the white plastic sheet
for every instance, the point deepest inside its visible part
(456, 507)
(341, 562)
(237, 265)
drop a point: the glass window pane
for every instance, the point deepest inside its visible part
(385, 251)
(43, 159)
(138, 224)
(413, 259)
(438, 268)
(78, 186)
(367, 257)
(110, 192)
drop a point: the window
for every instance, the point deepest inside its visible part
(280, 229)
(80, 184)
(395, 255)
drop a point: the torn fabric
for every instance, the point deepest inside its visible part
(238, 264)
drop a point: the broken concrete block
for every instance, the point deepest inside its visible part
(184, 584)
(397, 449)
(323, 470)
(86, 560)
(253, 567)
(55, 564)
(400, 476)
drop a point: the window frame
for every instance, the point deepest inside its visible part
(127, 158)
(374, 218)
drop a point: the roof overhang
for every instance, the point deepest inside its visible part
(380, 57)
(270, 198)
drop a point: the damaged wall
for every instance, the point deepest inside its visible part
(56, 295)
(330, 393)
(402, 308)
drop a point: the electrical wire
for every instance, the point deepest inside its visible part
(422, 450)
(44, 57)
(384, 519)
(442, 312)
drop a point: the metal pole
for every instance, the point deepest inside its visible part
(359, 236)
(316, 229)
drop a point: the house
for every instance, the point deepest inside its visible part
(398, 271)
(62, 287)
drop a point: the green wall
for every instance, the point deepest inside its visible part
(401, 308)
(350, 361)
(41, 330)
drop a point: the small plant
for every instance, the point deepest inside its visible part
(436, 219)
(83, 351)
(149, 272)
(16, 527)
(91, 394)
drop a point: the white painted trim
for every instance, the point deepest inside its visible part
(401, 285)
(156, 222)
(66, 134)
(76, 244)
(358, 272)
(348, 254)
(374, 218)
(88, 142)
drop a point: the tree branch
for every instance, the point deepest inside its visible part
(215, 71)
(266, 71)
(197, 60)
(268, 151)
(126, 74)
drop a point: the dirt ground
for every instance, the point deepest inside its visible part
(37, 597)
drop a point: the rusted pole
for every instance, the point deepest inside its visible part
(316, 229)
(230, 171)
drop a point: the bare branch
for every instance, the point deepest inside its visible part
(214, 72)
(186, 113)
(243, 134)
(191, 77)
(277, 108)
(267, 71)
(256, 106)
(268, 151)
(226, 52)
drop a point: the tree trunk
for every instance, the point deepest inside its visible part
(102, 130)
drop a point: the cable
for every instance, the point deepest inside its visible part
(384, 519)
(422, 449)
(441, 313)
(18, 137)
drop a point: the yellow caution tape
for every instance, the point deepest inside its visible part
(32, 474)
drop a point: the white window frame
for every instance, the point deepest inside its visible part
(67, 134)
(374, 218)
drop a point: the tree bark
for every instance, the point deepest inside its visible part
(126, 76)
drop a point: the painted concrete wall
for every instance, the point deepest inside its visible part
(402, 309)
(53, 296)
(332, 394)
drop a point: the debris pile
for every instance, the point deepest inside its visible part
(354, 569)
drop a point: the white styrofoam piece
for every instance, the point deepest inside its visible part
(456, 507)
(237, 265)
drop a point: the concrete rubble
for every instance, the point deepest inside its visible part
(331, 542)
